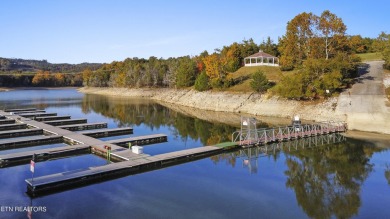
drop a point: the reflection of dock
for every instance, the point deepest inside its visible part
(64, 130)
(250, 155)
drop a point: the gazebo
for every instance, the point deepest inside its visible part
(261, 58)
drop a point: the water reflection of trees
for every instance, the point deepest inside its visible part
(387, 174)
(327, 180)
(133, 112)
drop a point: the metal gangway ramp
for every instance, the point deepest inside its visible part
(249, 134)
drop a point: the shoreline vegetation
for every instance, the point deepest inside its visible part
(320, 76)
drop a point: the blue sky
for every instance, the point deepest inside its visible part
(75, 31)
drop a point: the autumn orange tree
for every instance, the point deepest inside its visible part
(87, 73)
(231, 57)
(42, 78)
(312, 36)
(215, 70)
(59, 79)
(38, 78)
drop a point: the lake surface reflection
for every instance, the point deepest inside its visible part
(348, 179)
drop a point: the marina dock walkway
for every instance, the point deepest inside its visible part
(57, 128)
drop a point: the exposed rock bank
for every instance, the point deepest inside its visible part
(248, 103)
(363, 106)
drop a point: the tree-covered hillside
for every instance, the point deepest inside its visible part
(12, 65)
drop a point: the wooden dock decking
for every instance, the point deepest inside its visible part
(107, 132)
(42, 154)
(84, 126)
(51, 118)
(33, 111)
(7, 121)
(20, 132)
(31, 141)
(32, 115)
(13, 126)
(129, 162)
(60, 181)
(73, 138)
(65, 122)
(140, 140)
(18, 110)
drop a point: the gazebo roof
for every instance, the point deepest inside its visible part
(261, 54)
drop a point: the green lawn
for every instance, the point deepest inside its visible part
(244, 74)
(374, 56)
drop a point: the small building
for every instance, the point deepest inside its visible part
(261, 58)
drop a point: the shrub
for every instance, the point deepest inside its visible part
(202, 82)
(259, 82)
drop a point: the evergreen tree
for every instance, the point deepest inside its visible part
(186, 72)
(259, 82)
(202, 82)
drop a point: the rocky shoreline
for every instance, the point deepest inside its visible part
(243, 103)
(364, 107)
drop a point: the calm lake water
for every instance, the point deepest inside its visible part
(350, 179)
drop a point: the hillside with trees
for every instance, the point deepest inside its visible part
(319, 47)
(27, 65)
(315, 49)
(23, 72)
(316, 55)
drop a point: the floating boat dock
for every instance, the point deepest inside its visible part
(32, 115)
(59, 129)
(6, 144)
(92, 174)
(84, 126)
(140, 140)
(28, 111)
(66, 122)
(43, 154)
(20, 110)
(12, 126)
(107, 132)
(20, 133)
(6, 121)
(51, 118)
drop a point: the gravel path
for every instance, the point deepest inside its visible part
(365, 103)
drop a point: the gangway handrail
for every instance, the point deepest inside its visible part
(282, 133)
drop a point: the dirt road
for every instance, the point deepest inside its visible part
(365, 103)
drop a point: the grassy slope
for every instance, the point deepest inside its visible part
(375, 56)
(272, 73)
(387, 90)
